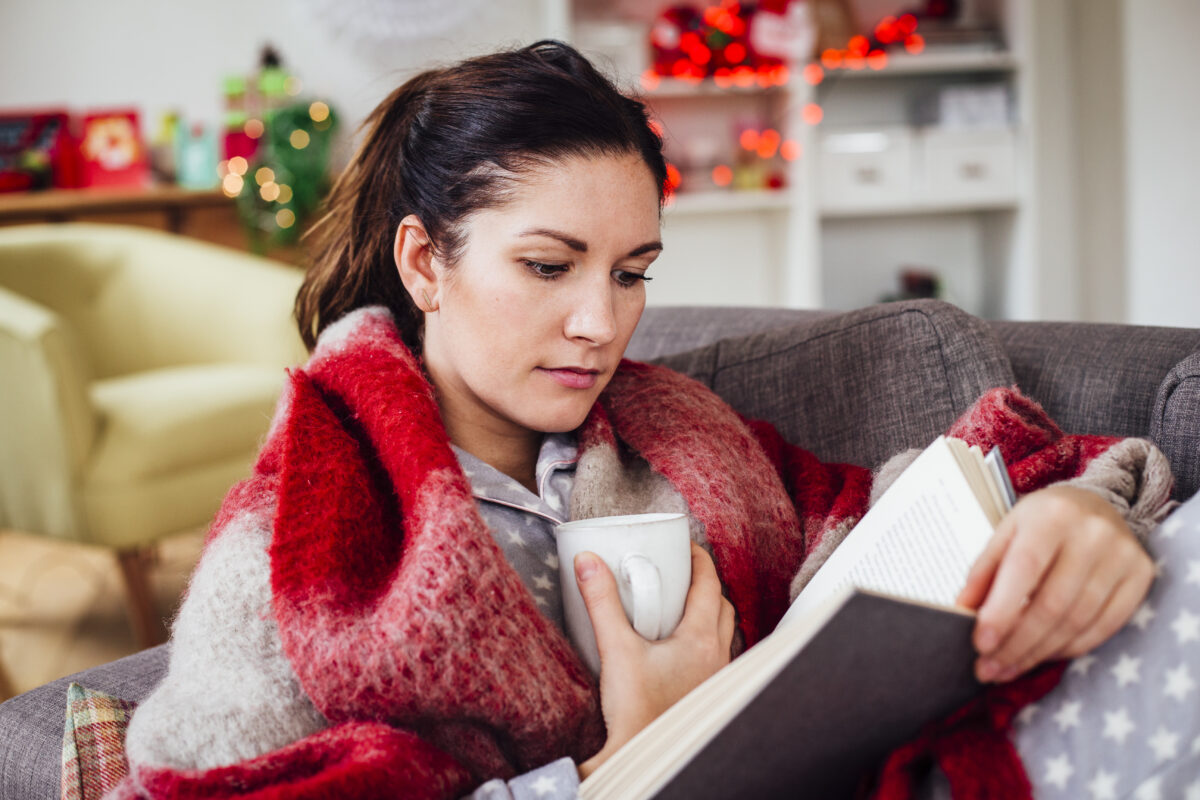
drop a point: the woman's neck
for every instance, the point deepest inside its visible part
(512, 452)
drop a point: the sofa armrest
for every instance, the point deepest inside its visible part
(43, 450)
(1175, 426)
(31, 724)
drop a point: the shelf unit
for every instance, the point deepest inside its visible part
(784, 248)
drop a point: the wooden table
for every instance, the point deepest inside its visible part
(206, 214)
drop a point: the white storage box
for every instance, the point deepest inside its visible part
(866, 169)
(967, 166)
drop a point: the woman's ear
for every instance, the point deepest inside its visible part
(413, 251)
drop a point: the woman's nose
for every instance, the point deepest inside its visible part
(591, 316)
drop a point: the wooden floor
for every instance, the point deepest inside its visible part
(62, 606)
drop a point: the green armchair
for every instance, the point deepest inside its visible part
(138, 374)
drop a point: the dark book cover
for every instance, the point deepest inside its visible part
(867, 682)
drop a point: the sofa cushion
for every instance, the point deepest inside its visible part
(167, 420)
(1175, 426)
(861, 386)
(664, 330)
(31, 724)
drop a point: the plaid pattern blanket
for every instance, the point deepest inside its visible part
(93, 755)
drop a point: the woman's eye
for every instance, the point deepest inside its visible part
(627, 278)
(544, 270)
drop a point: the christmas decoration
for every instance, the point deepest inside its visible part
(719, 42)
(277, 151)
(113, 151)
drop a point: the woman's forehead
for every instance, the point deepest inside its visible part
(579, 196)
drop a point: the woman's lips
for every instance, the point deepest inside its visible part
(573, 378)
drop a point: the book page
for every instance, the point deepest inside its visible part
(918, 541)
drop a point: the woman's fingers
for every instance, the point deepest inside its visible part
(603, 602)
(704, 598)
(727, 624)
(1115, 586)
(1021, 571)
(983, 571)
(1120, 607)
(1091, 592)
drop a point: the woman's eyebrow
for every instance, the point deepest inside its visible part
(569, 241)
(580, 246)
(648, 247)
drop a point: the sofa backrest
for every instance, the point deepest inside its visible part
(857, 386)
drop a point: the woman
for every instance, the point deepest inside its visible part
(376, 612)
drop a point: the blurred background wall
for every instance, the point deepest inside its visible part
(1118, 79)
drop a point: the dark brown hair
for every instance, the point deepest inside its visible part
(446, 144)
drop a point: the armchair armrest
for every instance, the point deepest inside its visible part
(42, 452)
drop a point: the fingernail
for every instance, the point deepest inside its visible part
(987, 670)
(987, 640)
(586, 565)
(1008, 675)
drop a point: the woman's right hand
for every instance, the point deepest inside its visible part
(640, 679)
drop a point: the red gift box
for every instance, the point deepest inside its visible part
(37, 151)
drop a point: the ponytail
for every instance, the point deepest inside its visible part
(353, 241)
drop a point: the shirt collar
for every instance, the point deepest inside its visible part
(559, 453)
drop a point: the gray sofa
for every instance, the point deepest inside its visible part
(853, 387)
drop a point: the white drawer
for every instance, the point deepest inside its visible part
(864, 169)
(967, 166)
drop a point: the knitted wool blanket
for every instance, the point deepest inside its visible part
(428, 664)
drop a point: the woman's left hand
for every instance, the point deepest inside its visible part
(1061, 575)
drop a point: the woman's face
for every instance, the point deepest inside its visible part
(534, 317)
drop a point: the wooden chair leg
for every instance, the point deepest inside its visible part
(6, 687)
(148, 627)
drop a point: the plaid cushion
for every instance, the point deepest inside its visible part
(93, 756)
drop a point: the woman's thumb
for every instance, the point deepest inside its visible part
(600, 595)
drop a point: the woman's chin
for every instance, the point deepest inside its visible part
(560, 421)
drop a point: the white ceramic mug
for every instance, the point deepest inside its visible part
(649, 555)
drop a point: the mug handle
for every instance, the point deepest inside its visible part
(645, 584)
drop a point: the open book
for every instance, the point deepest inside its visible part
(871, 650)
